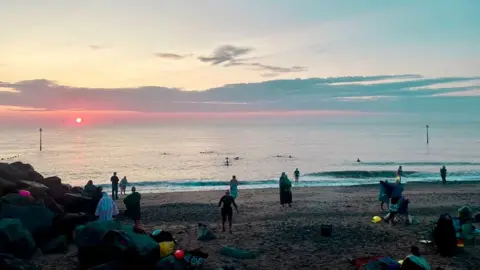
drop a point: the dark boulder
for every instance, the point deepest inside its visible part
(16, 199)
(51, 181)
(37, 190)
(53, 206)
(15, 239)
(75, 203)
(7, 186)
(24, 167)
(11, 173)
(34, 176)
(77, 190)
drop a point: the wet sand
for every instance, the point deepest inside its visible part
(289, 238)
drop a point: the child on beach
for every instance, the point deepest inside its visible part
(285, 190)
(227, 211)
(234, 187)
(123, 185)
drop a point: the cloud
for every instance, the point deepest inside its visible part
(389, 93)
(172, 56)
(231, 56)
(96, 47)
(225, 54)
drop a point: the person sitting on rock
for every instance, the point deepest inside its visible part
(89, 188)
(106, 208)
(132, 203)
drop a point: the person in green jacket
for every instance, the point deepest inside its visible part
(132, 203)
(285, 190)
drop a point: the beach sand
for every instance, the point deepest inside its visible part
(290, 238)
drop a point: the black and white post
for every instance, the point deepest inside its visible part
(427, 133)
(40, 130)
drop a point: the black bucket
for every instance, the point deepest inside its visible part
(326, 230)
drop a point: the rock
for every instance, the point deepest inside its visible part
(51, 181)
(6, 186)
(37, 190)
(34, 176)
(75, 203)
(24, 167)
(11, 173)
(77, 190)
(53, 206)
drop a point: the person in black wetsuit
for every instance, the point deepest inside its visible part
(443, 174)
(114, 179)
(227, 211)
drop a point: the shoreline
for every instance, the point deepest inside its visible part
(222, 187)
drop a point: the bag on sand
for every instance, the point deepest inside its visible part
(203, 233)
(444, 236)
(15, 239)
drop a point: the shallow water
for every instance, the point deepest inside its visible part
(167, 156)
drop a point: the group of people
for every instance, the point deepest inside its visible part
(228, 200)
(104, 208)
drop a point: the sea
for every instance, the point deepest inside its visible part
(189, 155)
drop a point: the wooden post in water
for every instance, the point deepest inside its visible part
(40, 138)
(427, 133)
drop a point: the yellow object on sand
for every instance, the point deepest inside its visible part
(376, 219)
(166, 248)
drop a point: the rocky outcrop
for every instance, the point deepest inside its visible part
(11, 173)
(6, 186)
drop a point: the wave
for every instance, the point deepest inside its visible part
(360, 174)
(420, 163)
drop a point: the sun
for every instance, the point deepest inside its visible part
(79, 120)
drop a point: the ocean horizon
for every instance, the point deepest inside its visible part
(188, 156)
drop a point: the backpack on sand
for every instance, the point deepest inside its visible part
(444, 236)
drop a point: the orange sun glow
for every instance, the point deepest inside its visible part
(79, 120)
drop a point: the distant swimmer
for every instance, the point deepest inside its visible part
(358, 160)
(237, 158)
(227, 163)
(290, 157)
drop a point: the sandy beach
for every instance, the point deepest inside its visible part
(290, 238)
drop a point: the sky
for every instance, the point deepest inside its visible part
(115, 57)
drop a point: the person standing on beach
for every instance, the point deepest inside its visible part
(443, 174)
(296, 174)
(132, 203)
(285, 190)
(383, 196)
(227, 211)
(89, 188)
(234, 187)
(114, 179)
(400, 171)
(123, 185)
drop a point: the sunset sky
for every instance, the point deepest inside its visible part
(139, 56)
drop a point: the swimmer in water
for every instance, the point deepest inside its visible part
(227, 163)
(358, 160)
